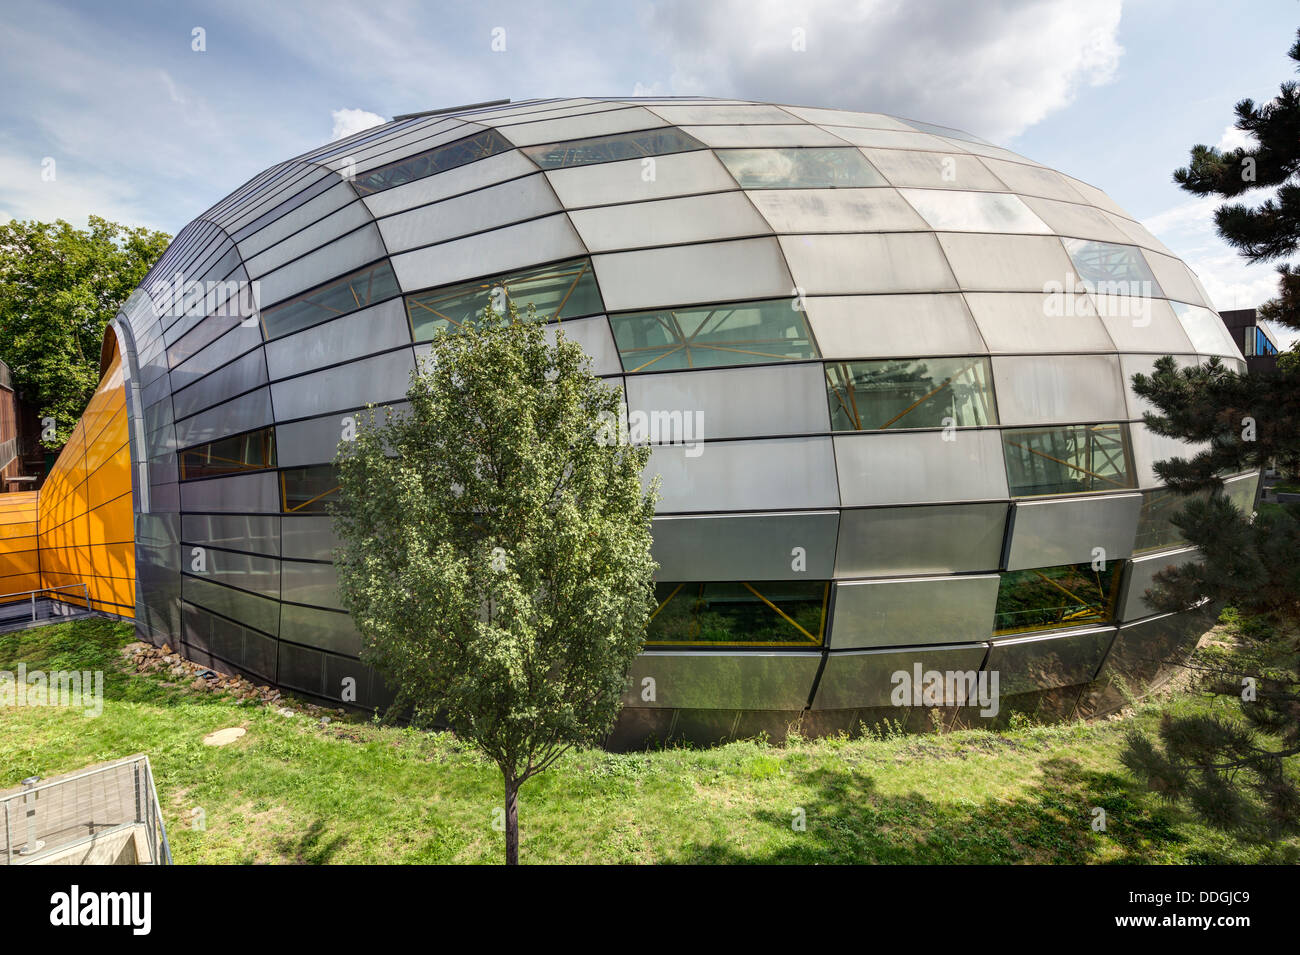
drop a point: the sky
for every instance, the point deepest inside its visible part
(148, 113)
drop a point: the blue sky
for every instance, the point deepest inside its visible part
(146, 130)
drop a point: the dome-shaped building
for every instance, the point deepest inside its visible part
(883, 363)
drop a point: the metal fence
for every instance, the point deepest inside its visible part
(47, 604)
(51, 818)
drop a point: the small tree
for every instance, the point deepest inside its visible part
(494, 546)
(1234, 773)
(59, 288)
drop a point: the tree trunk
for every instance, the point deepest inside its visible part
(512, 822)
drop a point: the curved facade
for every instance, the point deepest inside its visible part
(883, 365)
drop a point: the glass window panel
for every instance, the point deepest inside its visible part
(582, 152)
(1070, 460)
(308, 490)
(1049, 598)
(914, 393)
(1207, 333)
(347, 294)
(808, 168)
(1110, 269)
(253, 451)
(743, 333)
(436, 160)
(773, 613)
(1154, 530)
(561, 291)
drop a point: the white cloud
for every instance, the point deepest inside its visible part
(1234, 138)
(350, 121)
(993, 68)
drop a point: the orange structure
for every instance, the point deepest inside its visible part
(78, 529)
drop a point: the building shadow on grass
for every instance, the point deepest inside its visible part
(310, 848)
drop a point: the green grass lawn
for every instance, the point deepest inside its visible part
(294, 790)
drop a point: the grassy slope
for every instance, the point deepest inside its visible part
(292, 790)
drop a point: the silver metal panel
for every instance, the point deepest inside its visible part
(237, 494)
(603, 123)
(767, 135)
(958, 211)
(1175, 278)
(736, 402)
(929, 539)
(746, 475)
(249, 609)
(314, 440)
(361, 333)
(1241, 490)
(1006, 263)
(453, 182)
(257, 533)
(314, 584)
(319, 628)
(933, 170)
(1048, 660)
(845, 117)
(256, 573)
(339, 257)
(241, 375)
(594, 336)
(251, 411)
(1049, 533)
(894, 139)
(746, 547)
(1206, 331)
(1076, 221)
(1131, 365)
(838, 264)
(307, 536)
(1058, 389)
(723, 114)
(382, 378)
(489, 208)
(867, 678)
(726, 215)
(888, 326)
(1142, 324)
(738, 271)
(636, 180)
(232, 344)
(913, 612)
(313, 210)
(1138, 578)
(501, 250)
(920, 467)
(1033, 180)
(719, 680)
(1038, 322)
(345, 220)
(836, 210)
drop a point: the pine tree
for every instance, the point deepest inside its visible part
(1237, 773)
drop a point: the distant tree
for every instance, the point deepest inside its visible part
(1234, 772)
(494, 547)
(59, 287)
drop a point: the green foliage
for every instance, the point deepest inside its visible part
(1232, 771)
(495, 546)
(59, 288)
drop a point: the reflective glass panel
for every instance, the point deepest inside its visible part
(583, 152)
(807, 168)
(564, 290)
(364, 287)
(243, 452)
(915, 393)
(440, 159)
(744, 333)
(1049, 598)
(1154, 530)
(308, 490)
(1069, 460)
(1110, 269)
(781, 613)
